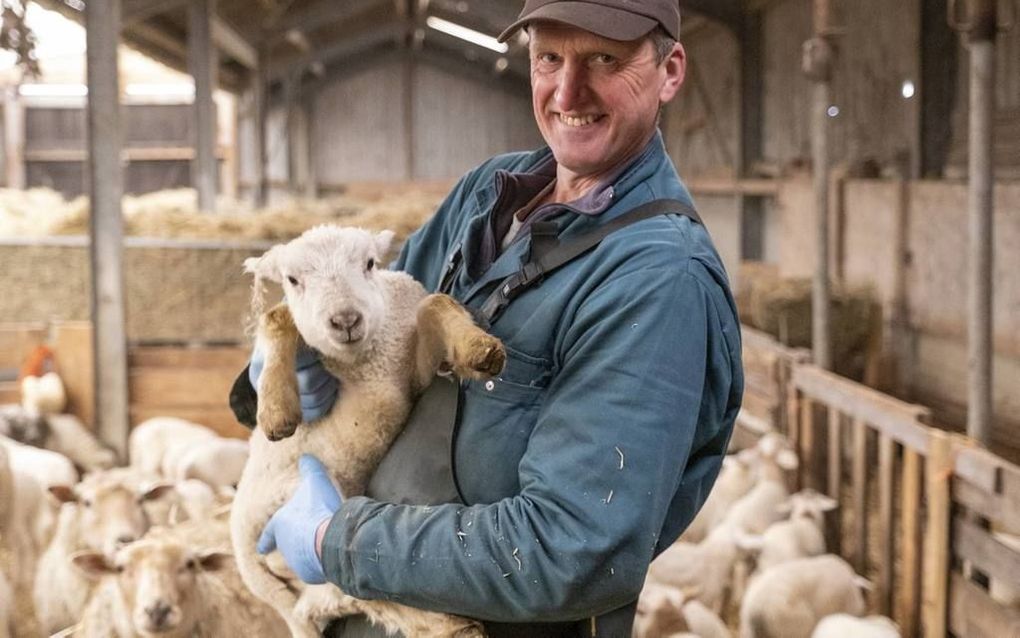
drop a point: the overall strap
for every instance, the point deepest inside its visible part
(548, 254)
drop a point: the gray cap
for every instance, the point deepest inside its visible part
(615, 19)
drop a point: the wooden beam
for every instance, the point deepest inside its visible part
(102, 33)
(230, 41)
(14, 138)
(935, 589)
(340, 49)
(136, 11)
(201, 61)
(319, 14)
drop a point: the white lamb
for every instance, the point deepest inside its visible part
(738, 475)
(788, 600)
(385, 338)
(69, 436)
(155, 444)
(102, 513)
(800, 536)
(705, 568)
(218, 462)
(847, 626)
(45, 466)
(667, 611)
(761, 507)
(174, 583)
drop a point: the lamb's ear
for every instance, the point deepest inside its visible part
(787, 459)
(63, 493)
(825, 503)
(214, 561)
(156, 491)
(383, 241)
(267, 266)
(92, 564)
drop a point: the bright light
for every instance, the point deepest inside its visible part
(53, 90)
(908, 89)
(464, 33)
(502, 64)
(160, 90)
(833, 111)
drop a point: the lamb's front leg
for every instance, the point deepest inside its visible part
(447, 333)
(279, 409)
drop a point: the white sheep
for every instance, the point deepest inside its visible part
(218, 462)
(70, 437)
(23, 425)
(156, 443)
(737, 477)
(667, 611)
(175, 583)
(761, 507)
(788, 600)
(847, 626)
(46, 466)
(102, 513)
(800, 536)
(386, 338)
(705, 567)
(6, 607)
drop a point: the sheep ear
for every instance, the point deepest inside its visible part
(92, 564)
(787, 459)
(63, 493)
(383, 240)
(267, 266)
(156, 491)
(214, 561)
(825, 503)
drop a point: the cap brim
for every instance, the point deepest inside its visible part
(598, 19)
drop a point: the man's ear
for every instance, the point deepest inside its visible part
(676, 71)
(383, 241)
(267, 266)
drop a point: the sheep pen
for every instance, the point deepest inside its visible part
(379, 332)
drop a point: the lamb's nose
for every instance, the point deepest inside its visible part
(345, 320)
(158, 613)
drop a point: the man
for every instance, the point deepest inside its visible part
(601, 438)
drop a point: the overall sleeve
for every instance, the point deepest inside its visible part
(639, 366)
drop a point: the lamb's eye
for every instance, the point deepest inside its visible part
(191, 564)
(293, 280)
(86, 502)
(370, 265)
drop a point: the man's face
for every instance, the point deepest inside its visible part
(596, 100)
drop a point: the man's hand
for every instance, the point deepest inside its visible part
(317, 388)
(296, 529)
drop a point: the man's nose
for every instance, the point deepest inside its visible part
(570, 88)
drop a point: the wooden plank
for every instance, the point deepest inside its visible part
(907, 593)
(72, 354)
(173, 356)
(807, 442)
(835, 482)
(202, 66)
(17, 340)
(762, 407)
(730, 186)
(217, 417)
(886, 468)
(860, 496)
(793, 415)
(180, 386)
(896, 418)
(935, 594)
(973, 613)
(990, 506)
(131, 154)
(992, 557)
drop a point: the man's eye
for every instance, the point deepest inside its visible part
(547, 58)
(604, 58)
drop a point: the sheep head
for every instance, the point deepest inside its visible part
(156, 583)
(329, 279)
(110, 509)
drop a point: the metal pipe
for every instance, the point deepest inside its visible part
(106, 179)
(981, 191)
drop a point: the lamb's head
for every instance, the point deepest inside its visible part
(809, 504)
(329, 278)
(110, 508)
(156, 583)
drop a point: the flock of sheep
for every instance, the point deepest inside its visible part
(755, 555)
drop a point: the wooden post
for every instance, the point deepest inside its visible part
(860, 496)
(886, 461)
(807, 443)
(910, 525)
(938, 472)
(835, 481)
(202, 64)
(14, 138)
(260, 115)
(106, 179)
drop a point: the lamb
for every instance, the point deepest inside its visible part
(47, 467)
(668, 611)
(760, 507)
(800, 536)
(175, 583)
(789, 599)
(705, 567)
(842, 625)
(217, 462)
(155, 444)
(102, 513)
(379, 332)
(738, 476)
(69, 436)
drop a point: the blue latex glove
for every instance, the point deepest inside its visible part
(293, 528)
(317, 389)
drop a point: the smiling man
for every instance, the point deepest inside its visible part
(536, 501)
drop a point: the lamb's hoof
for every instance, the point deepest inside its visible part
(472, 631)
(278, 424)
(483, 356)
